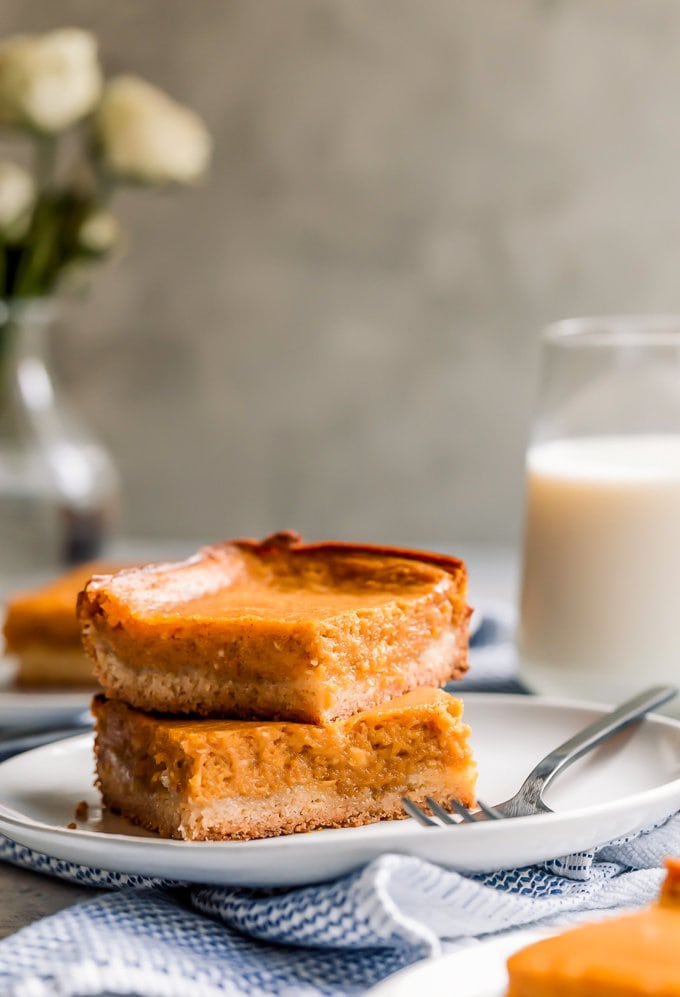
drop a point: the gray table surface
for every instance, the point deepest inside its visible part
(27, 896)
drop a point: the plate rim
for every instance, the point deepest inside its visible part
(517, 937)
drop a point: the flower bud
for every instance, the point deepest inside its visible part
(146, 137)
(48, 82)
(17, 197)
(99, 233)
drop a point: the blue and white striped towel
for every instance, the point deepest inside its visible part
(163, 940)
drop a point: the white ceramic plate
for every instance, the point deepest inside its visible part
(37, 708)
(620, 788)
(476, 971)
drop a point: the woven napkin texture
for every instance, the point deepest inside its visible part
(155, 939)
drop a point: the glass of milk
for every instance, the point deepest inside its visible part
(600, 605)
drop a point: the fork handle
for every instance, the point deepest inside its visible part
(597, 732)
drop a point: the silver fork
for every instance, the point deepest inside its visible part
(529, 797)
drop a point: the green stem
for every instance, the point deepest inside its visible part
(45, 161)
(104, 182)
(7, 332)
(34, 270)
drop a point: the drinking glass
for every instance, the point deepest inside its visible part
(600, 601)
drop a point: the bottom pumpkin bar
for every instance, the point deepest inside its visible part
(220, 779)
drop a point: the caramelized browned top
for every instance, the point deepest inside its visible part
(48, 613)
(279, 578)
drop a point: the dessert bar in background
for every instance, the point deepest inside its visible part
(42, 632)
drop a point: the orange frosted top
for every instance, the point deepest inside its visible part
(634, 954)
(279, 578)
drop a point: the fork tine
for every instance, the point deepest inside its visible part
(490, 812)
(414, 811)
(464, 812)
(439, 811)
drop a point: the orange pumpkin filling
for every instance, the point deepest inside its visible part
(278, 629)
(199, 779)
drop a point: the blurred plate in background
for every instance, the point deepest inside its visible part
(40, 707)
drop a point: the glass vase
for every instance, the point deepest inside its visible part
(59, 487)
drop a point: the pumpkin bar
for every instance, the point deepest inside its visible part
(217, 779)
(629, 956)
(277, 629)
(42, 632)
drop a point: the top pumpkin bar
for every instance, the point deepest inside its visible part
(277, 629)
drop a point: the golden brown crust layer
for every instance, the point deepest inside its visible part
(278, 629)
(210, 779)
(294, 812)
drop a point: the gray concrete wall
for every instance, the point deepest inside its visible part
(338, 331)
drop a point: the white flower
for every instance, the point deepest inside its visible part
(48, 82)
(99, 232)
(146, 137)
(17, 197)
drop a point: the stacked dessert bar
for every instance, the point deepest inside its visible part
(263, 688)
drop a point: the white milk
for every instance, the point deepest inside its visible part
(600, 613)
